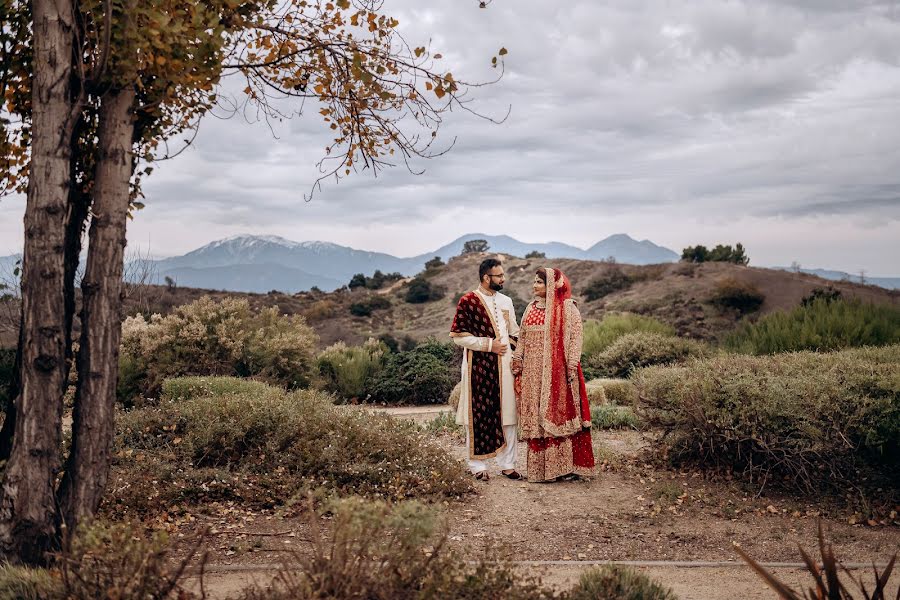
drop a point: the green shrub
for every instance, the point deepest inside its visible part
(7, 366)
(822, 324)
(264, 450)
(618, 583)
(360, 309)
(828, 293)
(619, 392)
(215, 338)
(187, 388)
(635, 350)
(445, 422)
(420, 290)
(24, 583)
(596, 395)
(406, 342)
(721, 253)
(609, 416)
(599, 335)
(807, 420)
(424, 375)
(731, 293)
(375, 551)
(366, 307)
(109, 562)
(348, 371)
(611, 281)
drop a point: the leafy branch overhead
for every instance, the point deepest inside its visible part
(383, 98)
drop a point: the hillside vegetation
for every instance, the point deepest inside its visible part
(702, 301)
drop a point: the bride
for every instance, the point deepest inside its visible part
(554, 414)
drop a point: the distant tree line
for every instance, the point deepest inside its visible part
(375, 282)
(699, 254)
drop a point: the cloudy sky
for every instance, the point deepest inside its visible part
(772, 123)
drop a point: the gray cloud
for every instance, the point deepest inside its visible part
(682, 122)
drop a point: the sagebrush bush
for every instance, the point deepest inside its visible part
(263, 450)
(366, 307)
(349, 371)
(596, 394)
(618, 583)
(421, 290)
(732, 293)
(112, 562)
(423, 375)
(635, 350)
(620, 392)
(103, 562)
(609, 416)
(810, 421)
(599, 335)
(820, 324)
(613, 280)
(215, 338)
(24, 583)
(376, 551)
(187, 388)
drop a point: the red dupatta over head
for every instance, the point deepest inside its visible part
(561, 409)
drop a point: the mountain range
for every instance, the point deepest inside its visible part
(260, 263)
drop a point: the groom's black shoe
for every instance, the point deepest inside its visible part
(512, 475)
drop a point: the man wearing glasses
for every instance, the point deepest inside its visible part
(485, 327)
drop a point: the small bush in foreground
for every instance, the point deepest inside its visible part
(614, 417)
(375, 551)
(827, 578)
(109, 562)
(264, 450)
(599, 335)
(424, 375)
(821, 324)
(348, 371)
(618, 583)
(187, 388)
(24, 583)
(103, 562)
(636, 350)
(805, 420)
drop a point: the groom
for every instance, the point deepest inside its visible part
(485, 326)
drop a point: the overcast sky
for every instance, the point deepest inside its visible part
(772, 123)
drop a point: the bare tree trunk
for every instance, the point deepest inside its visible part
(87, 468)
(27, 500)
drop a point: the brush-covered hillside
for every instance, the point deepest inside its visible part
(701, 301)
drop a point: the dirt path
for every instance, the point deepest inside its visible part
(630, 512)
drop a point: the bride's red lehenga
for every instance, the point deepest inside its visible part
(554, 413)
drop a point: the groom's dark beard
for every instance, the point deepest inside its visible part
(496, 286)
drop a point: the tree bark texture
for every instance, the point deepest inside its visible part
(27, 498)
(87, 468)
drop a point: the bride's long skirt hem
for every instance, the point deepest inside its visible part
(549, 458)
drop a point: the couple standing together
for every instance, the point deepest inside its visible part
(523, 383)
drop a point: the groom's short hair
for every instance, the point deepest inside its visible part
(486, 265)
